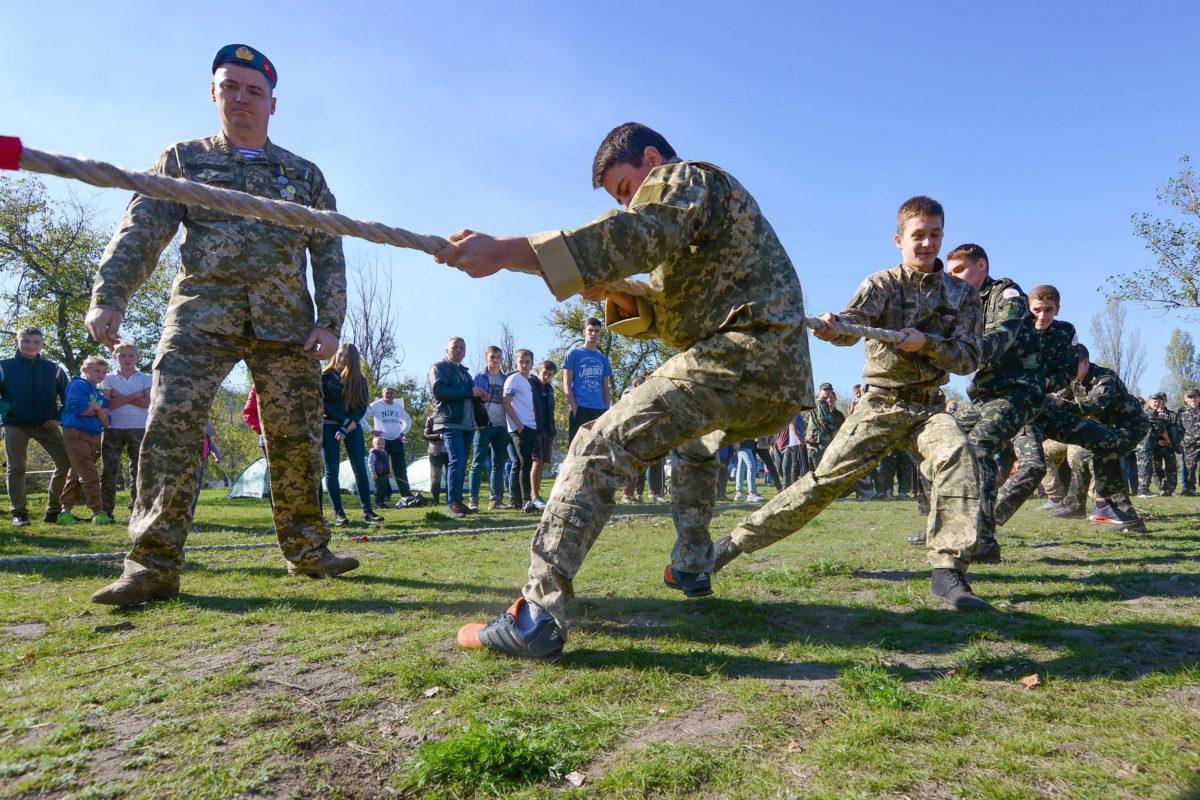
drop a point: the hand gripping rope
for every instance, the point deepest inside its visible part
(13, 155)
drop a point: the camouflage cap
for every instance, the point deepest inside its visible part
(825, 386)
(1193, 393)
(246, 56)
(1159, 396)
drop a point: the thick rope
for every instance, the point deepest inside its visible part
(386, 537)
(879, 334)
(163, 187)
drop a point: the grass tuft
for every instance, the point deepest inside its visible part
(874, 686)
(492, 756)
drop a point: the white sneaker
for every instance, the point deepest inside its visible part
(739, 498)
(658, 498)
(756, 498)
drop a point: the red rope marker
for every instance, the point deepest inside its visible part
(10, 152)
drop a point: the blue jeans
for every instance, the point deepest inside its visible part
(491, 441)
(357, 454)
(747, 467)
(456, 451)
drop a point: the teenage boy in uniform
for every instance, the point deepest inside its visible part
(902, 406)
(723, 291)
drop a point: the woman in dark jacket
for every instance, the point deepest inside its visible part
(345, 392)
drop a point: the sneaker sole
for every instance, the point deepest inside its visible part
(679, 587)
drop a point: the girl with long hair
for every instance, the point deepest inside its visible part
(345, 393)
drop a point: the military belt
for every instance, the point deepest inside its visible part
(925, 395)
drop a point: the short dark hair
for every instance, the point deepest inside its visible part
(625, 144)
(590, 321)
(919, 206)
(29, 330)
(969, 250)
(549, 365)
(1082, 350)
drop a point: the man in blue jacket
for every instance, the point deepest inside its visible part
(33, 391)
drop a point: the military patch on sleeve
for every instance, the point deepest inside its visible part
(1010, 293)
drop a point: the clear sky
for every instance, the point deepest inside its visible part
(1040, 126)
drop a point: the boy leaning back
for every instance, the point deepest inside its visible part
(722, 290)
(902, 406)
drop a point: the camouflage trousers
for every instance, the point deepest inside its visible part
(1191, 455)
(1107, 445)
(990, 425)
(643, 426)
(1056, 455)
(877, 426)
(189, 368)
(1082, 486)
(1157, 461)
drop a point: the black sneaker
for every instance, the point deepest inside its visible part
(692, 584)
(20, 520)
(988, 552)
(371, 516)
(917, 539)
(951, 586)
(726, 551)
(341, 520)
(50, 516)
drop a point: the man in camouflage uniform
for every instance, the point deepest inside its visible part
(1156, 453)
(903, 404)
(722, 290)
(1008, 389)
(1060, 361)
(241, 294)
(1098, 393)
(822, 422)
(1189, 421)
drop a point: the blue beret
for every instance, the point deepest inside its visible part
(246, 56)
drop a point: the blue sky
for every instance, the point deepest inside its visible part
(1040, 126)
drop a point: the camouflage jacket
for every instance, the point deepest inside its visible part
(1189, 420)
(822, 422)
(1011, 357)
(234, 270)
(1163, 423)
(1059, 357)
(721, 288)
(944, 308)
(1103, 397)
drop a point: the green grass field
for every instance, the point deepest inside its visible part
(821, 668)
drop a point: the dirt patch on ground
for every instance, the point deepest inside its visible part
(27, 630)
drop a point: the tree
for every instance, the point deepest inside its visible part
(1183, 366)
(371, 325)
(1174, 282)
(49, 251)
(1112, 348)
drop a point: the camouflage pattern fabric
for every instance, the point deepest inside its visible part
(1082, 487)
(188, 369)
(990, 425)
(1011, 358)
(1103, 396)
(1155, 458)
(1060, 360)
(720, 288)
(642, 427)
(234, 270)
(947, 310)
(1007, 391)
(821, 423)
(241, 294)
(1189, 421)
(880, 424)
(1056, 454)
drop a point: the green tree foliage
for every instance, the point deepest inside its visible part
(49, 251)
(1183, 367)
(1174, 282)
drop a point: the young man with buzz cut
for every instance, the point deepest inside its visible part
(721, 290)
(1009, 387)
(587, 379)
(902, 406)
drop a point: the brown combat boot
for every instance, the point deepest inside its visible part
(135, 589)
(325, 563)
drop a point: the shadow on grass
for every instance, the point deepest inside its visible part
(1121, 650)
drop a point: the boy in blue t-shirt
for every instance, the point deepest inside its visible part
(84, 419)
(587, 379)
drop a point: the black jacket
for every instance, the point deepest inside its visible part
(452, 390)
(335, 401)
(32, 391)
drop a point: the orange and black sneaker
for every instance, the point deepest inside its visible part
(522, 635)
(692, 584)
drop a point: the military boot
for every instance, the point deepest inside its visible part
(138, 588)
(951, 586)
(988, 552)
(325, 563)
(726, 551)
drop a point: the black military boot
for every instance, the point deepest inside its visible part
(951, 586)
(726, 551)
